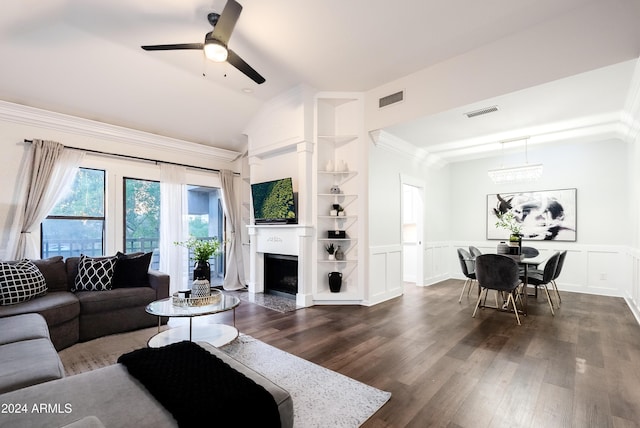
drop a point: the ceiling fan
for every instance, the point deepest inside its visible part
(215, 42)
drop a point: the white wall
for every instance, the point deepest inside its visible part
(385, 222)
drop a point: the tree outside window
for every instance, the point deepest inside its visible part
(76, 225)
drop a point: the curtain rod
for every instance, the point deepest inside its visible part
(98, 152)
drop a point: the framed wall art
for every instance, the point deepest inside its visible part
(543, 214)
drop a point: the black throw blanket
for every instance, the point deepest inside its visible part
(199, 389)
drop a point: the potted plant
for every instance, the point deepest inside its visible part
(509, 221)
(331, 249)
(203, 250)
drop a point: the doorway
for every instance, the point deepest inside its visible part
(412, 216)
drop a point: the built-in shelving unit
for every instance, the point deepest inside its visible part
(336, 158)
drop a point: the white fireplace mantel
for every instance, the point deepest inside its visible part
(289, 239)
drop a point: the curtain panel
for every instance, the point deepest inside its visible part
(48, 176)
(234, 276)
(173, 225)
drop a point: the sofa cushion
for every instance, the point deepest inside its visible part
(109, 393)
(28, 362)
(20, 281)
(56, 307)
(55, 273)
(95, 274)
(132, 270)
(23, 327)
(95, 301)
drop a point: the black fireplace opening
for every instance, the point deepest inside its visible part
(281, 275)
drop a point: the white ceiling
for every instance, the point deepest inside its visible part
(83, 58)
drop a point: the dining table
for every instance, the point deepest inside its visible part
(527, 263)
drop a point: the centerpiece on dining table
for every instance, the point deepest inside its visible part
(510, 222)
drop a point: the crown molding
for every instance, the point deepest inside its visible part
(17, 113)
(391, 143)
(631, 112)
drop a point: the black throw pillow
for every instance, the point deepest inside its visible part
(132, 270)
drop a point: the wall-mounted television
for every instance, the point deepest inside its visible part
(274, 202)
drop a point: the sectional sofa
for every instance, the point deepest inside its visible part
(35, 392)
(75, 315)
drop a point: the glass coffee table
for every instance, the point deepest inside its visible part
(215, 334)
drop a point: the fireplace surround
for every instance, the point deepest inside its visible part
(281, 240)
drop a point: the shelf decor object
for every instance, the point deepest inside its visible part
(335, 281)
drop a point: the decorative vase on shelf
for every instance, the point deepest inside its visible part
(335, 281)
(200, 288)
(329, 166)
(339, 253)
(202, 269)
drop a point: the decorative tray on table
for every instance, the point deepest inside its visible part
(178, 300)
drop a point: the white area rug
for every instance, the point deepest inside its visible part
(321, 397)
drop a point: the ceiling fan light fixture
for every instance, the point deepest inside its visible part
(215, 51)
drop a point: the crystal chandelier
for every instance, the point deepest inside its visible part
(520, 173)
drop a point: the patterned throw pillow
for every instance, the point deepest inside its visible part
(95, 274)
(20, 281)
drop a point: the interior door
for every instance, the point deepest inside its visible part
(413, 230)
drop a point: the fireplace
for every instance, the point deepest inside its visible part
(281, 274)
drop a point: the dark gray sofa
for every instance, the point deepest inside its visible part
(27, 356)
(85, 315)
(31, 375)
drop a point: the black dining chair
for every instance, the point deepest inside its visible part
(528, 253)
(474, 251)
(541, 279)
(500, 273)
(467, 264)
(563, 254)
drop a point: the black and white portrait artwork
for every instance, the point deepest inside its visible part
(544, 215)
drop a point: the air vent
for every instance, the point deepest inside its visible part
(391, 99)
(482, 111)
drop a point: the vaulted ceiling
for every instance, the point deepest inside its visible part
(83, 58)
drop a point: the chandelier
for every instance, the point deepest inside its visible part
(520, 173)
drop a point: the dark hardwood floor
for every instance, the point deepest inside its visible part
(580, 368)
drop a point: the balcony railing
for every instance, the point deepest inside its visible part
(93, 248)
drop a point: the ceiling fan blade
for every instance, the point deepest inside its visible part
(227, 21)
(241, 65)
(173, 47)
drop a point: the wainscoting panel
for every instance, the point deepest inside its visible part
(591, 269)
(385, 273)
(436, 262)
(632, 291)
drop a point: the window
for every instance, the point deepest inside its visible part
(76, 225)
(206, 221)
(142, 217)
